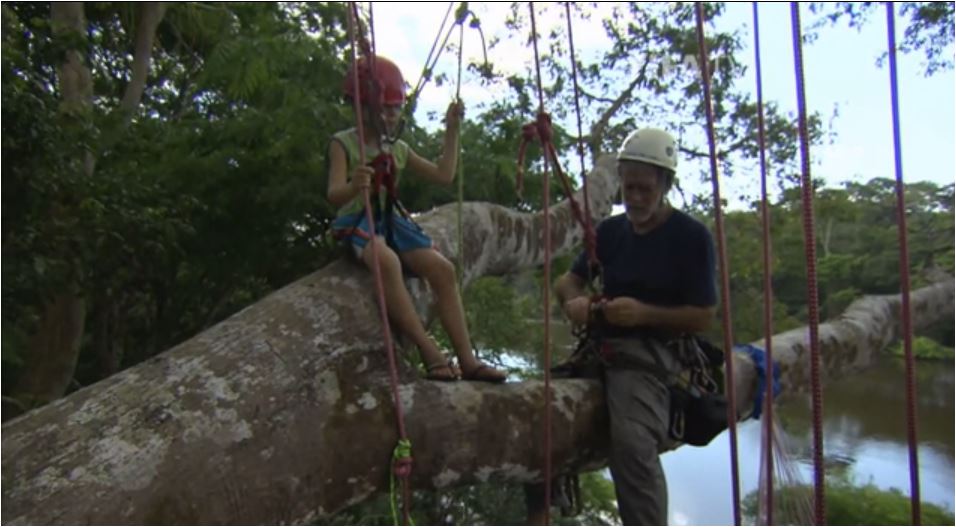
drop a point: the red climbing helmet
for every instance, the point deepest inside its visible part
(391, 84)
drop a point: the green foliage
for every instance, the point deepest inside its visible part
(925, 348)
(208, 199)
(485, 504)
(928, 27)
(857, 250)
(497, 315)
(850, 504)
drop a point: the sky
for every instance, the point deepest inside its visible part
(842, 79)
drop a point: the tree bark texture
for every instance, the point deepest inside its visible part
(283, 413)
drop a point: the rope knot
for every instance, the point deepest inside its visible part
(543, 125)
(402, 459)
(529, 133)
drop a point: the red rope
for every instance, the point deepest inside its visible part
(911, 417)
(767, 273)
(812, 296)
(402, 467)
(544, 133)
(541, 130)
(724, 274)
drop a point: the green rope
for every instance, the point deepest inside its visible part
(403, 450)
(459, 271)
(460, 268)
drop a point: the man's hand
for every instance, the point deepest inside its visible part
(577, 309)
(624, 311)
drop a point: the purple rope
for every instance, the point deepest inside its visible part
(907, 325)
(767, 271)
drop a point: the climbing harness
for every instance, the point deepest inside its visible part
(703, 60)
(698, 407)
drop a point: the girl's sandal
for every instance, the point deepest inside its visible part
(484, 373)
(442, 371)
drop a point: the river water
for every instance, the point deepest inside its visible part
(864, 427)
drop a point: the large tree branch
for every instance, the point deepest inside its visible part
(282, 412)
(251, 420)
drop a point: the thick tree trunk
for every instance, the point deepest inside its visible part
(106, 334)
(55, 346)
(282, 413)
(53, 352)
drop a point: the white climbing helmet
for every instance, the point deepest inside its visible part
(650, 145)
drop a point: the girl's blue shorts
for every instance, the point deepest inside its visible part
(407, 236)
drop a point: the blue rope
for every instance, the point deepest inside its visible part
(759, 359)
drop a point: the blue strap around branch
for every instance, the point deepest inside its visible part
(759, 359)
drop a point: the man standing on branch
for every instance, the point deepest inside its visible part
(657, 265)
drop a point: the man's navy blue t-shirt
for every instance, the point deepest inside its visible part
(672, 265)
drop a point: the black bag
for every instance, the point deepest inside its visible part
(698, 408)
(698, 411)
